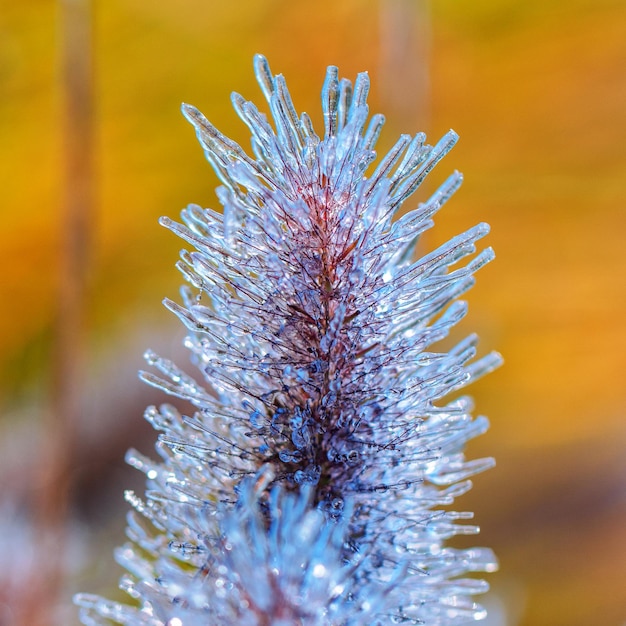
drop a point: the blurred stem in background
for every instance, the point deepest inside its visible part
(405, 51)
(53, 496)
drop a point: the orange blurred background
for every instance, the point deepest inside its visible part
(537, 92)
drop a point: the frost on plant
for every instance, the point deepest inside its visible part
(312, 483)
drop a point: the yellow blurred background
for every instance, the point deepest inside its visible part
(537, 92)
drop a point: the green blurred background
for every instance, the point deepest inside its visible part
(537, 92)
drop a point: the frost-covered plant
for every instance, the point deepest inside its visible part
(308, 485)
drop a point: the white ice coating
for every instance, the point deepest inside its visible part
(312, 484)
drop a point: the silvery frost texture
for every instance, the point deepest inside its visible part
(311, 483)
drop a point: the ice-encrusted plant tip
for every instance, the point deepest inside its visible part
(312, 483)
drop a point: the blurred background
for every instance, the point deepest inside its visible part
(94, 150)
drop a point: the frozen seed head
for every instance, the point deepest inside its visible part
(308, 485)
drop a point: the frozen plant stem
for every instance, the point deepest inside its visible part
(307, 488)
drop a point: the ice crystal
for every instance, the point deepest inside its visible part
(312, 483)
